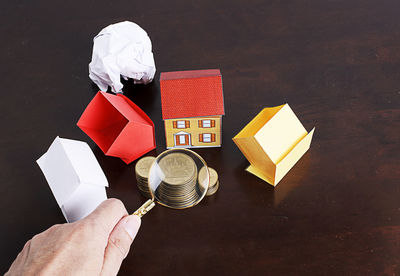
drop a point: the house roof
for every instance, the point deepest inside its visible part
(187, 94)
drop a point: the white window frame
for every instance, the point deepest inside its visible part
(206, 123)
(183, 133)
(180, 124)
(206, 137)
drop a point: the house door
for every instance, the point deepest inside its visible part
(182, 139)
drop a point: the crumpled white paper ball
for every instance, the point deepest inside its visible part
(121, 49)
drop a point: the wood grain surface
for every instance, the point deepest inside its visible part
(336, 62)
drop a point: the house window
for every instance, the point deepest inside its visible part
(181, 124)
(182, 139)
(207, 137)
(206, 123)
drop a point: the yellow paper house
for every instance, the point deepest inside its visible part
(273, 142)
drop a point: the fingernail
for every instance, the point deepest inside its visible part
(132, 225)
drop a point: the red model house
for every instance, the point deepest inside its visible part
(118, 126)
(192, 108)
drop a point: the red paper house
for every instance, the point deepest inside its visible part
(192, 108)
(118, 126)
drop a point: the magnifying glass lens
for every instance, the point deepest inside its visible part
(178, 178)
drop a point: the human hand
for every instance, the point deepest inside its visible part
(95, 245)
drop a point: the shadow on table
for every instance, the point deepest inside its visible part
(252, 185)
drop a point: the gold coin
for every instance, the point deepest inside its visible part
(213, 176)
(213, 190)
(178, 168)
(142, 169)
(143, 166)
(203, 181)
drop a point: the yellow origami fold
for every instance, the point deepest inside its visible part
(273, 142)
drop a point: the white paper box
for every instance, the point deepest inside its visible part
(74, 176)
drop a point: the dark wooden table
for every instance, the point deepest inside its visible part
(337, 63)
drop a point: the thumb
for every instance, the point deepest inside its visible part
(119, 243)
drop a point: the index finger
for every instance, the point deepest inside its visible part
(108, 214)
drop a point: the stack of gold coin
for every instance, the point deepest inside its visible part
(142, 175)
(178, 187)
(214, 183)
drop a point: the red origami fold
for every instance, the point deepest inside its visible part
(118, 126)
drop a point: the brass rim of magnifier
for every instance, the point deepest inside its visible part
(165, 152)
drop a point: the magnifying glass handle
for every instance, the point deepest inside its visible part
(146, 207)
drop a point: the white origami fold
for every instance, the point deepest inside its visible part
(122, 49)
(74, 176)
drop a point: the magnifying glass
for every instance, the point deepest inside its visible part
(178, 179)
